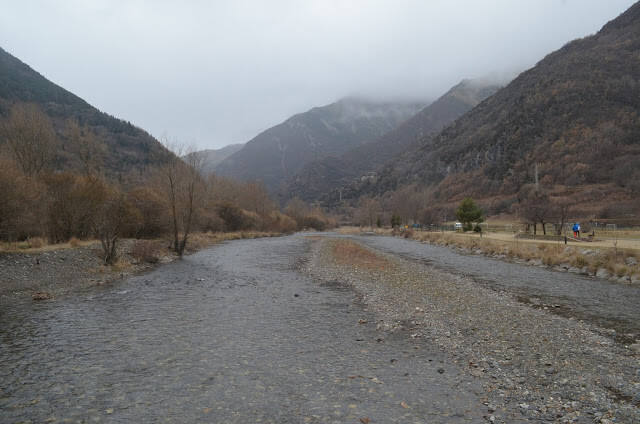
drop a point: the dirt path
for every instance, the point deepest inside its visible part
(620, 243)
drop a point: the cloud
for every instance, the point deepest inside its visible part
(220, 72)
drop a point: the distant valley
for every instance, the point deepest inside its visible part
(332, 172)
(280, 152)
(565, 132)
(213, 157)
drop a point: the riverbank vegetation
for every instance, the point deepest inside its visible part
(607, 260)
(73, 196)
(578, 258)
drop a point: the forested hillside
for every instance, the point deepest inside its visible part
(571, 124)
(69, 171)
(331, 172)
(121, 148)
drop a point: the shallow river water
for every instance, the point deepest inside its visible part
(232, 334)
(610, 305)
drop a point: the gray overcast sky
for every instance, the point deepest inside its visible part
(220, 72)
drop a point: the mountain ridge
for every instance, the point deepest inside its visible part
(573, 117)
(129, 150)
(325, 174)
(212, 157)
(281, 151)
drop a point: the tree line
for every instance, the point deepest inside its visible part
(414, 204)
(58, 196)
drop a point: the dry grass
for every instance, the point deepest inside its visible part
(550, 254)
(37, 242)
(121, 265)
(146, 251)
(353, 254)
(358, 230)
(74, 242)
(202, 240)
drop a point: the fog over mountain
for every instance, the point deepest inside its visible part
(331, 172)
(280, 152)
(221, 72)
(567, 128)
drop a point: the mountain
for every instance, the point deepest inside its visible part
(128, 150)
(331, 172)
(572, 122)
(282, 151)
(212, 157)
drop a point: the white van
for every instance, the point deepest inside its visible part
(458, 225)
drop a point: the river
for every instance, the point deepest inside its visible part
(610, 305)
(231, 334)
(237, 334)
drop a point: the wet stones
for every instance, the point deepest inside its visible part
(537, 366)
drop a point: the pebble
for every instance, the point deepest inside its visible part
(535, 364)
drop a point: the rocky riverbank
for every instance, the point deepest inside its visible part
(48, 273)
(57, 270)
(535, 366)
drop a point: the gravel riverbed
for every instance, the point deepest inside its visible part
(57, 272)
(535, 366)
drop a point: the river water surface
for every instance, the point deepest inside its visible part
(232, 334)
(610, 305)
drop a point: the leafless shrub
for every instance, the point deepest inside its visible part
(145, 251)
(315, 222)
(37, 242)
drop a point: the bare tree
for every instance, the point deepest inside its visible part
(253, 197)
(73, 203)
(20, 202)
(561, 210)
(30, 136)
(109, 220)
(152, 205)
(369, 210)
(297, 209)
(407, 203)
(185, 191)
(83, 143)
(222, 190)
(537, 209)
